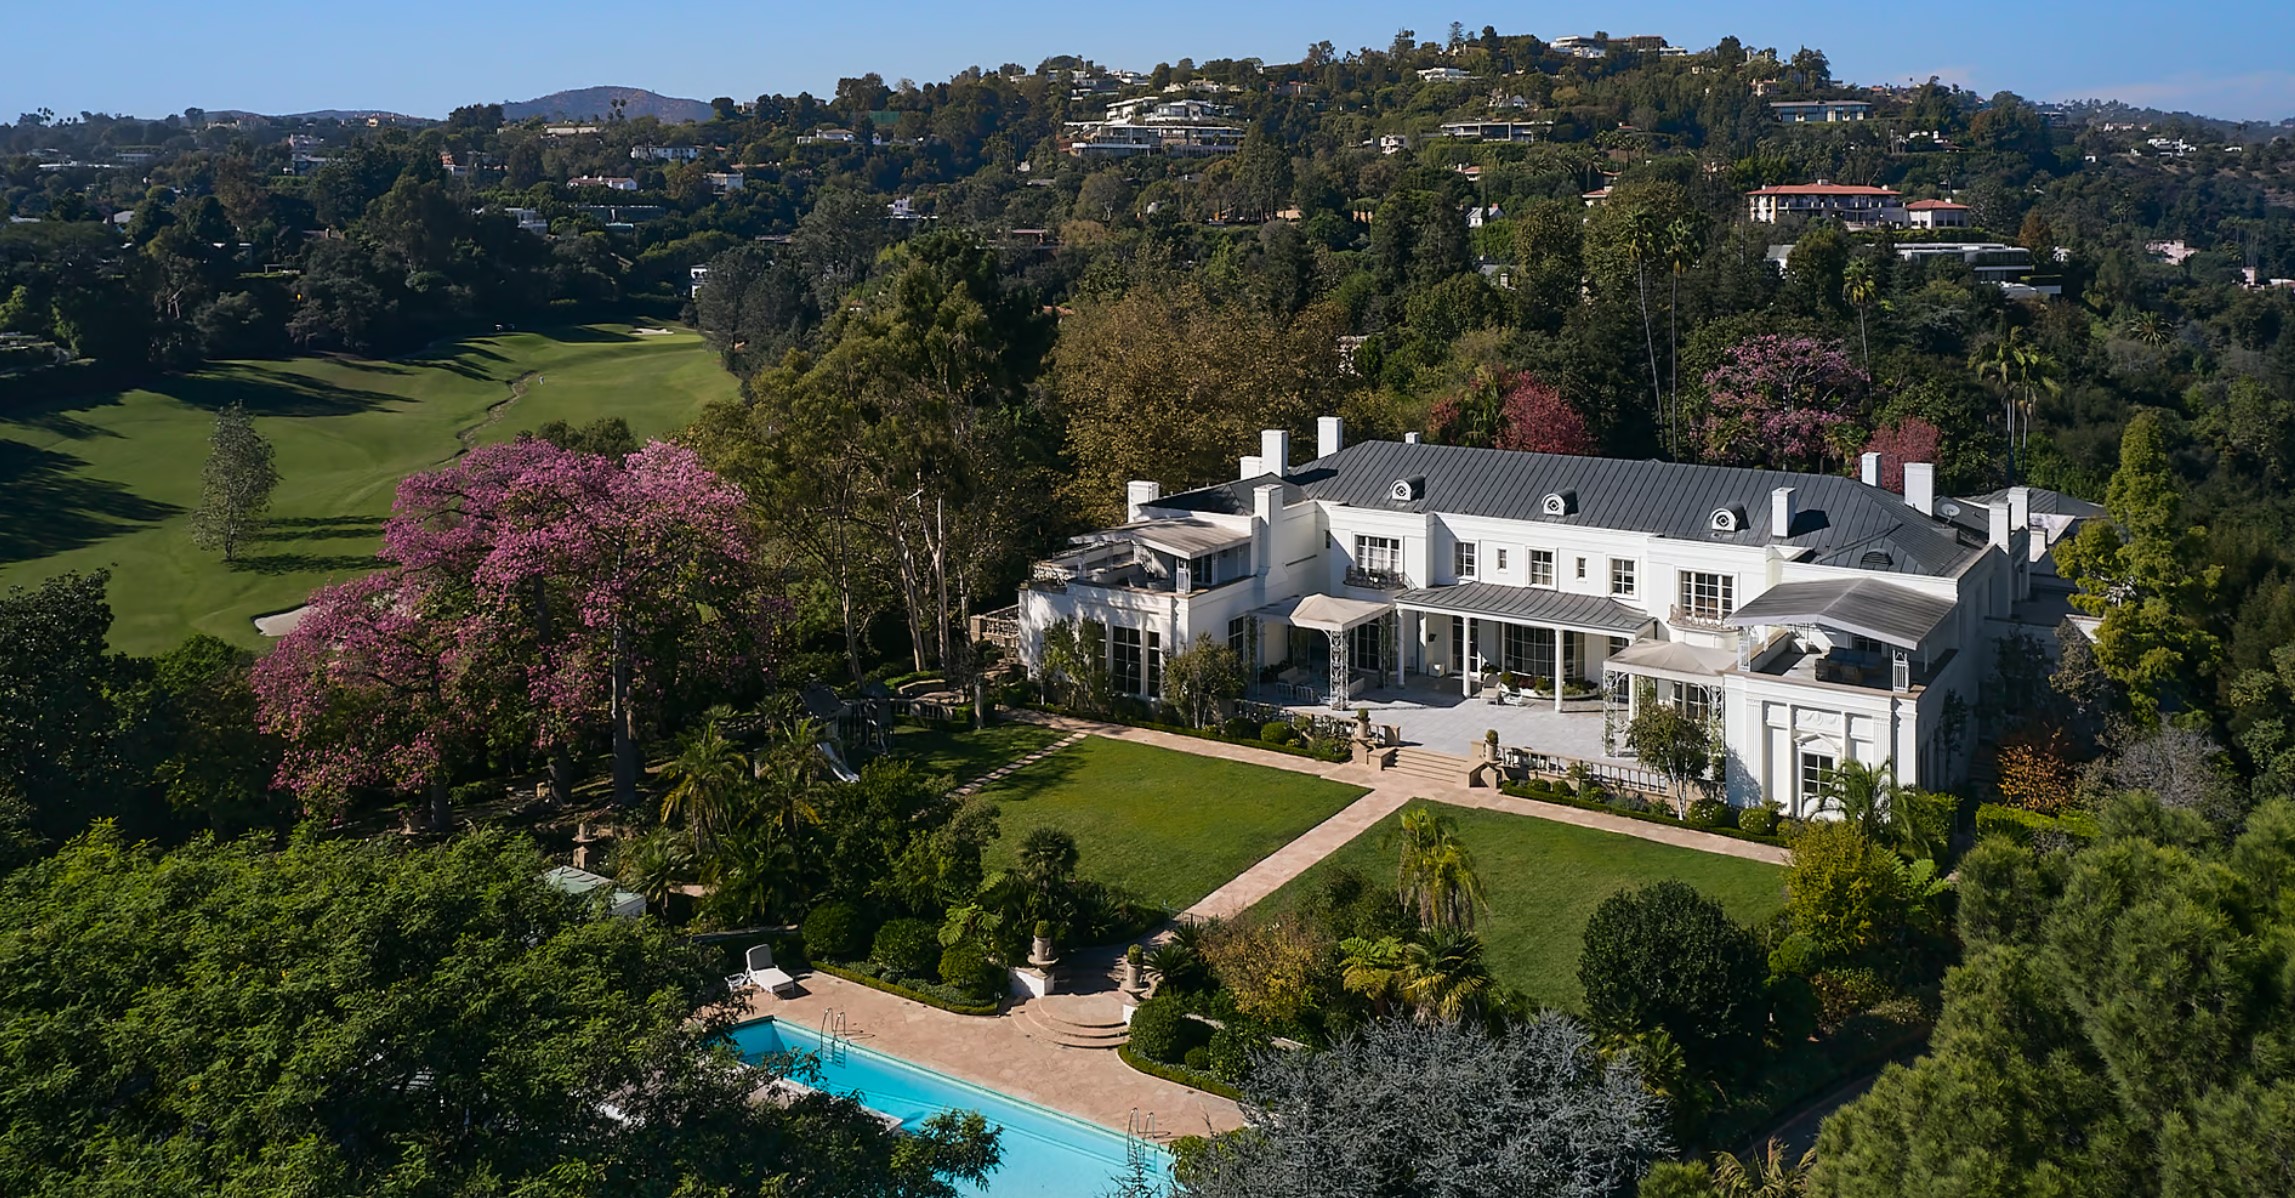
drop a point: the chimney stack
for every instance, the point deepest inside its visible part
(1275, 451)
(1781, 513)
(1330, 435)
(1869, 469)
(1920, 487)
(2020, 506)
(1247, 466)
(1998, 527)
(1139, 493)
(1410, 438)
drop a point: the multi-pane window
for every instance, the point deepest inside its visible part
(1154, 664)
(1530, 650)
(1363, 648)
(1541, 567)
(1127, 667)
(1624, 581)
(1581, 567)
(1462, 559)
(1502, 561)
(1458, 644)
(1239, 637)
(1707, 596)
(1378, 553)
(1816, 774)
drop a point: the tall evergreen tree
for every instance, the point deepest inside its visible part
(235, 487)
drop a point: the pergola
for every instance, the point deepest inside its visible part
(1335, 617)
(1693, 673)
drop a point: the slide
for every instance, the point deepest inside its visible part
(836, 760)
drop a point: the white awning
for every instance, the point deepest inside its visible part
(1671, 660)
(1325, 613)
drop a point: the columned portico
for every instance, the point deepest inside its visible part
(1530, 632)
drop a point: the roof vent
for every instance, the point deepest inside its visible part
(1875, 559)
(1728, 518)
(1407, 490)
(1560, 503)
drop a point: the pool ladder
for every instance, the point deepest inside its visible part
(1139, 1150)
(834, 1038)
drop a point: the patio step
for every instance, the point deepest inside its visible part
(1073, 1021)
(1427, 765)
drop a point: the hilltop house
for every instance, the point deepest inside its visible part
(1936, 214)
(1810, 619)
(1847, 203)
(1811, 112)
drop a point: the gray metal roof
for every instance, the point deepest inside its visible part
(1181, 538)
(1530, 605)
(1841, 521)
(2045, 502)
(1888, 613)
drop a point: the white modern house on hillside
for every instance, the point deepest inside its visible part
(1810, 619)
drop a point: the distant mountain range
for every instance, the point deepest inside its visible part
(583, 103)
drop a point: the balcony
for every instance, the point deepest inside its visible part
(1377, 580)
(1707, 619)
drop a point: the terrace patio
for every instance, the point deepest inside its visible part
(1430, 712)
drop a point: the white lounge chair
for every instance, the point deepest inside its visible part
(763, 974)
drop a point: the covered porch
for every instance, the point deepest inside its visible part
(1686, 676)
(1533, 644)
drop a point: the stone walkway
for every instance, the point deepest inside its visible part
(997, 1052)
(1388, 792)
(1003, 771)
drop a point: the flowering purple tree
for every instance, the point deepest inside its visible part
(1779, 402)
(532, 589)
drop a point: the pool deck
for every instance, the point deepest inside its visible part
(993, 1051)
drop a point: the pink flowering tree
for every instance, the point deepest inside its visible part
(1911, 439)
(535, 596)
(369, 693)
(1780, 402)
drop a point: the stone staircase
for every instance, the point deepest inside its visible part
(1073, 1020)
(1425, 765)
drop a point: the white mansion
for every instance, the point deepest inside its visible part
(1815, 619)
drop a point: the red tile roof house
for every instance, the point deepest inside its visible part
(1851, 204)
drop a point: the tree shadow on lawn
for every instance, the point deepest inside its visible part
(274, 393)
(59, 422)
(1034, 781)
(319, 528)
(303, 563)
(49, 508)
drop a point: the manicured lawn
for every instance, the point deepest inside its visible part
(965, 753)
(1544, 880)
(109, 480)
(1169, 827)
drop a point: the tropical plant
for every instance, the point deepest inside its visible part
(1444, 977)
(1434, 872)
(655, 864)
(1374, 969)
(1863, 795)
(710, 785)
(2023, 371)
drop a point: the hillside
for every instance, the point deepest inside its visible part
(107, 481)
(587, 102)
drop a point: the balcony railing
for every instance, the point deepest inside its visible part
(1708, 618)
(1377, 580)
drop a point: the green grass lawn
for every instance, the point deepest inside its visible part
(966, 753)
(1169, 827)
(108, 480)
(1544, 879)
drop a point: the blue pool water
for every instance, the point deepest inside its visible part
(1046, 1154)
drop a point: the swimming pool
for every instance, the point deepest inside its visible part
(1046, 1154)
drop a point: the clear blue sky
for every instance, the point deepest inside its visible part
(152, 57)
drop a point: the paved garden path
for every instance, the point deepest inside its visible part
(1388, 793)
(994, 1051)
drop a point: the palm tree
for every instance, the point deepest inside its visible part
(1864, 795)
(1375, 969)
(1859, 285)
(1434, 875)
(787, 773)
(653, 865)
(1771, 1175)
(1443, 975)
(708, 779)
(2023, 370)
(1683, 244)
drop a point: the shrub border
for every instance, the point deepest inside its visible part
(1523, 791)
(1251, 742)
(1178, 1075)
(899, 991)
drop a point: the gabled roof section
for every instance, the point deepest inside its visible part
(1180, 538)
(1225, 499)
(1839, 521)
(1530, 605)
(1892, 614)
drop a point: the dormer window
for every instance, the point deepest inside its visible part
(1560, 503)
(1408, 490)
(1727, 518)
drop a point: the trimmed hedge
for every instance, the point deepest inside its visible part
(1334, 756)
(1180, 1074)
(1546, 794)
(899, 991)
(2020, 825)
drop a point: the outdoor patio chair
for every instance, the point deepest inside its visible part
(763, 974)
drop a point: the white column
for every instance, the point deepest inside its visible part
(1560, 656)
(1466, 669)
